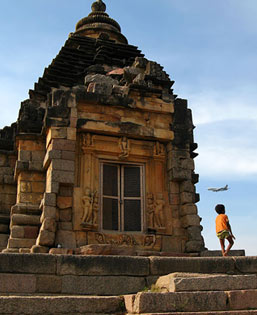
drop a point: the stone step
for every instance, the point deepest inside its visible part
(25, 219)
(146, 302)
(3, 240)
(246, 312)
(21, 242)
(179, 282)
(61, 305)
(217, 253)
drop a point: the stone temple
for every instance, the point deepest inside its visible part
(101, 157)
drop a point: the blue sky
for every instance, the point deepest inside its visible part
(208, 47)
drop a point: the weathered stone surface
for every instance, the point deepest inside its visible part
(185, 301)
(37, 249)
(194, 246)
(60, 305)
(48, 284)
(104, 285)
(63, 165)
(188, 209)
(61, 251)
(27, 263)
(3, 240)
(64, 202)
(65, 215)
(107, 249)
(177, 282)
(217, 253)
(50, 199)
(194, 233)
(23, 219)
(246, 264)
(16, 283)
(190, 220)
(242, 299)
(162, 266)
(21, 242)
(4, 228)
(48, 212)
(102, 265)
(66, 239)
(49, 224)
(45, 238)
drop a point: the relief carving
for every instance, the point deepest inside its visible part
(124, 145)
(90, 207)
(155, 206)
(150, 240)
(159, 149)
(87, 141)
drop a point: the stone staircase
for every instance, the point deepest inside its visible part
(69, 284)
(4, 230)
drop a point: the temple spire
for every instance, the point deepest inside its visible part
(98, 24)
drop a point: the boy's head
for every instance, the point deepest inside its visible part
(220, 209)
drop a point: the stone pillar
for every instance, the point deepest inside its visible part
(25, 214)
(7, 193)
(59, 164)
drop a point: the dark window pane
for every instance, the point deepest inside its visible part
(110, 214)
(131, 181)
(132, 215)
(110, 180)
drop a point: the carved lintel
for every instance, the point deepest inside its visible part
(124, 145)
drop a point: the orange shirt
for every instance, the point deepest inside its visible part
(221, 223)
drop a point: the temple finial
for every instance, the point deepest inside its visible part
(98, 6)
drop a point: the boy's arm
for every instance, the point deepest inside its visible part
(230, 230)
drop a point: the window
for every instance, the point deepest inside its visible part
(122, 197)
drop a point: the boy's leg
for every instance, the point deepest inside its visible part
(222, 245)
(231, 243)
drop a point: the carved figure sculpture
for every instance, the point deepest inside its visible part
(158, 213)
(125, 147)
(95, 208)
(87, 201)
(150, 210)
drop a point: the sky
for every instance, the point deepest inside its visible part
(208, 47)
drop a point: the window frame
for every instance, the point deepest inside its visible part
(121, 223)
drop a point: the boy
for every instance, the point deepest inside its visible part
(223, 229)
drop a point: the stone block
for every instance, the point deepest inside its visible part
(194, 233)
(71, 133)
(174, 188)
(98, 285)
(36, 166)
(68, 155)
(103, 265)
(38, 187)
(31, 198)
(66, 239)
(242, 299)
(174, 199)
(179, 174)
(49, 224)
(52, 187)
(31, 232)
(60, 144)
(49, 199)
(3, 160)
(6, 171)
(63, 177)
(21, 242)
(61, 251)
(61, 305)
(246, 264)
(66, 191)
(48, 284)
(3, 240)
(17, 231)
(179, 302)
(48, 212)
(188, 209)
(187, 186)
(4, 228)
(166, 265)
(81, 238)
(187, 197)
(179, 282)
(217, 253)
(45, 238)
(17, 283)
(8, 179)
(23, 219)
(37, 249)
(63, 165)
(64, 202)
(65, 215)
(38, 155)
(66, 226)
(190, 220)
(171, 244)
(188, 164)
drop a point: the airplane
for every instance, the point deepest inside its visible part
(219, 189)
